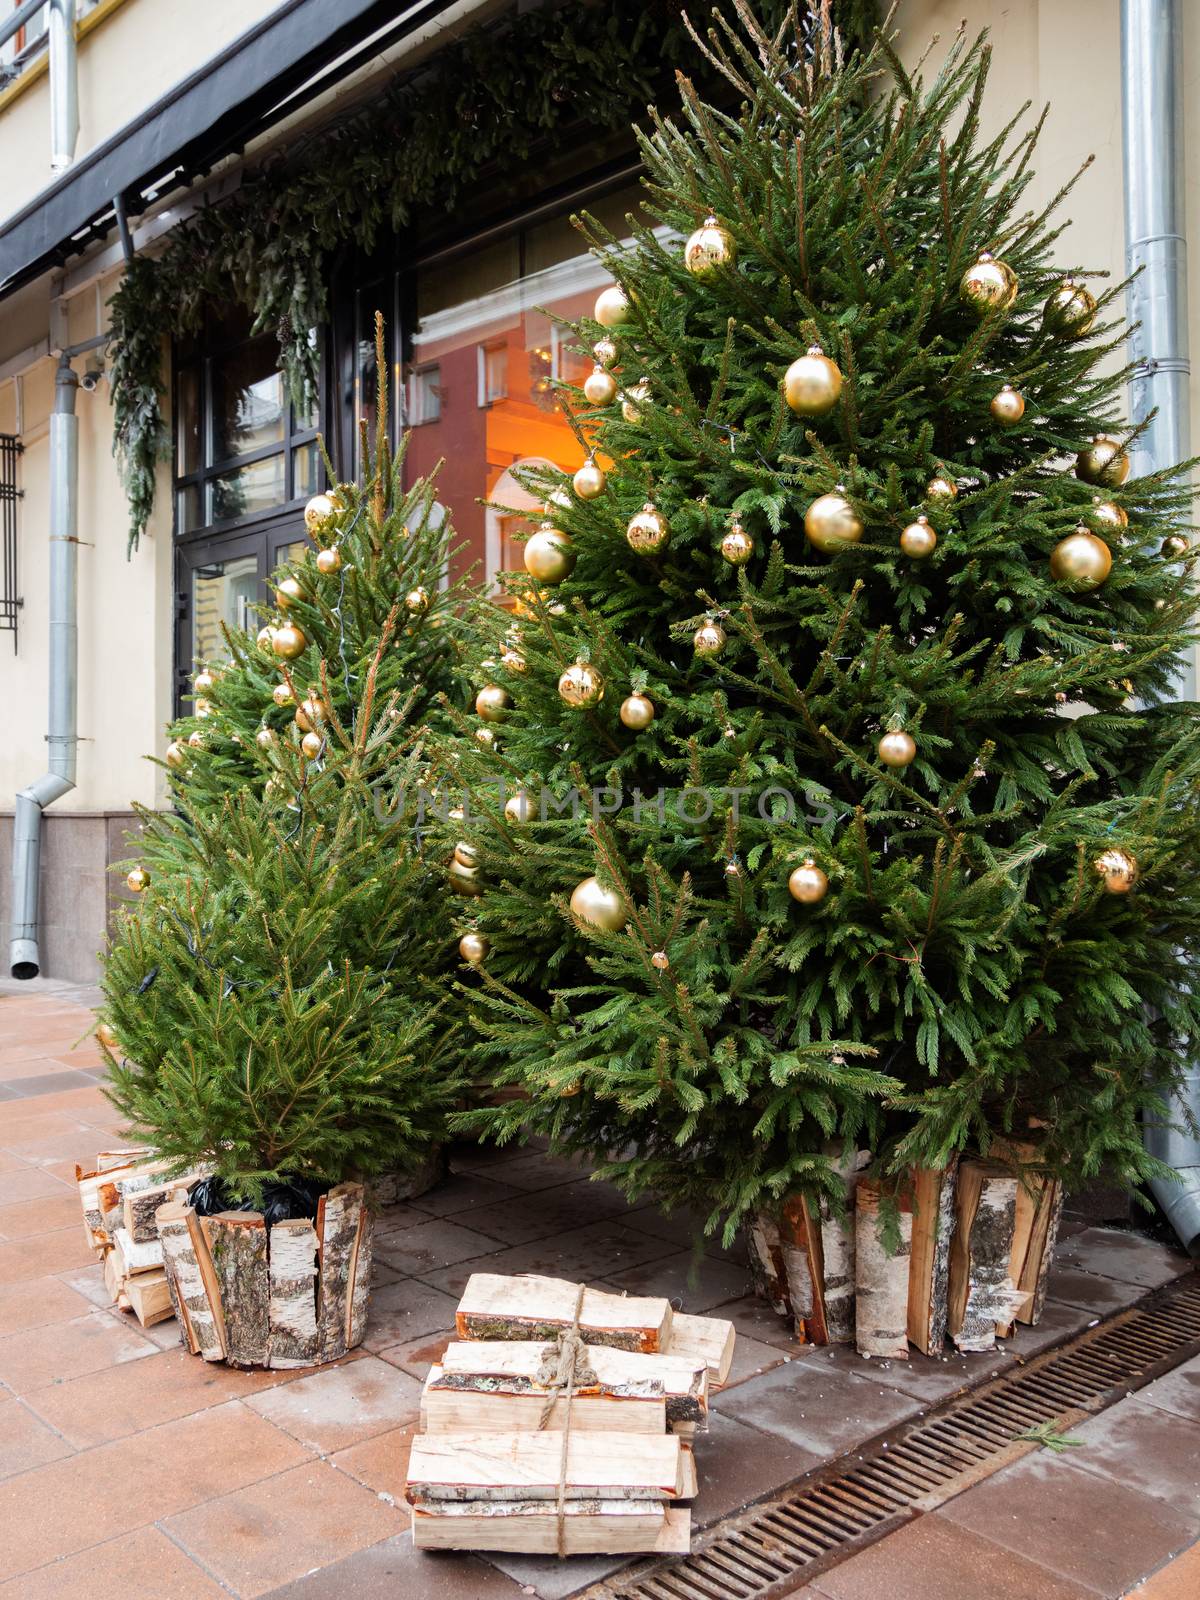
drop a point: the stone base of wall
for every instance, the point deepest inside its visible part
(78, 892)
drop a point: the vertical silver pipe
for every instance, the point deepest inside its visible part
(1156, 243)
(64, 85)
(62, 738)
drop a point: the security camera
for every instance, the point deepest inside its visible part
(93, 372)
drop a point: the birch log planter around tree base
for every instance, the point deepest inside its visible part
(392, 1188)
(294, 1295)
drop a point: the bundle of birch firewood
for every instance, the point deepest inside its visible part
(561, 1421)
(962, 1252)
(120, 1196)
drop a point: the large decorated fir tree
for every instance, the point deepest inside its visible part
(855, 642)
(272, 1000)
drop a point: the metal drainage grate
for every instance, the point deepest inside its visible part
(768, 1549)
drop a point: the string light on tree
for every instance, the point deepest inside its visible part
(612, 307)
(648, 531)
(1070, 310)
(549, 555)
(737, 546)
(599, 907)
(1008, 406)
(988, 285)
(1104, 462)
(1081, 560)
(812, 385)
(637, 712)
(831, 522)
(589, 481)
(897, 749)
(581, 685)
(1118, 870)
(919, 539)
(807, 883)
(710, 250)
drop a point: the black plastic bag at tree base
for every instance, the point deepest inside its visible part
(290, 1197)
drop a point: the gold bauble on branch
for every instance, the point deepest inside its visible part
(581, 685)
(637, 712)
(1118, 869)
(737, 546)
(196, 740)
(106, 1037)
(282, 695)
(1110, 516)
(831, 522)
(633, 400)
(919, 539)
(559, 497)
(201, 708)
(812, 385)
(605, 351)
(310, 712)
(897, 749)
(601, 908)
(549, 555)
(485, 735)
(204, 682)
(1174, 546)
(320, 510)
(1081, 560)
(513, 661)
(807, 883)
(138, 880)
(709, 638)
(473, 948)
(329, 561)
(265, 738)
(288, 592)
(288, 642)
(176, 755)
(648, 531)
(589, 481)
(493, 703)
(266, 634)
(312, 744)
(660, 960)
(466, 854)
(711, 248)
(988, 285)
(1103, 462)
(599, 387)
(1070, 310)
(612, 307)
(941, 488)
(518, 807)
(465, 880)
(1007, 406)
(416, 601)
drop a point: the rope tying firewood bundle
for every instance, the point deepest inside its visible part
(564, 1367)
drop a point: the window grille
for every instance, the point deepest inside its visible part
(10, 599)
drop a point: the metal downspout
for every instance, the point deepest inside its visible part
(25, 958)
(1152, 106)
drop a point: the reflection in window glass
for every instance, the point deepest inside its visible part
(187, 422)
(222, 594)
(190, 508)
(306, 467)
(248, 399)
(424, 396)
(255, 487)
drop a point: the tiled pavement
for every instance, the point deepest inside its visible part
(130, 1469)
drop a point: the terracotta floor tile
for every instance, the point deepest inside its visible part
(1076, 1523)
(62, 1350)
(1179, 1391)
(89, 1282)
(143, 1565)
(276, 1531)
(9, 1162)
(81, 1102)
(68, 1505)
(416, 1356)
(931, 1559)
(380, 1463)
(339, 1406)
(816, 1405)
(393, 1570)
(45, 1253)
(30, 1184)
(1144, 1448)
(59, 1209)
(25, 1440)
(430, 1245)
(698, 1285)
(36, 1302)
(1179, 1581)
(122, 1400)
(407, 1310)
(41, 1135)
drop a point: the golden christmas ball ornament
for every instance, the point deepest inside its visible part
(1103, 462)
(265, 738)
(1008, 406)
(549, 555)
(416, 601)
(196, 740)
(633, 399)
(919, 539)
(1081, 560)
(513, 661)
(282, 695)
(612, 307)
(1110, 516)
(831, 522)
(138, 880)
(599, 387)
(202, 709)
(518, 807)
(559, 497)
(1174, 546)
(465, 880)
(581, 685)
(176, 755)
(473, 948)
(288, 642)
(988, 285)
(204, 682)
(601, 908)
(310, 712)
(319, 511)
(812, 385)
(329, 561)
(288, 592)
(493, 703)
(466, 854)
(737, 546)
(265, 639)
(660, 960)
(312, 744)
(485, 735)
(637, 712)
(605, 351)
(709, 249)
(648, 531)
(106, 1037)
(941, 488)
(709, 638)
(589, 481)
(1070, 310)
(897, 749)
(1118, 869)
(807, 883)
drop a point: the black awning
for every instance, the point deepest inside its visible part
(206, 117)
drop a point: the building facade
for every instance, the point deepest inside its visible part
(179, 102)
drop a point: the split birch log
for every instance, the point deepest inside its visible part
(618, 1374)
(140, 1200)
(588, 1527)
(702, 1339)
(529, 1307)
(838, 1250)
(391, 1188)
(500, 1405)
(150, 1297)
(530, 1466)
(237, 1244)
(981, 1293)
(190, 1270)
(1039, 1258)
(1035, 1229)
(293, 1340)
(767, 1270)
(358, 1291)
(933, 1193)
(115, 1279)
(804, 1265)
(143, 1257)
(339, 1230)
(100, 1196)
(881, 1280)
